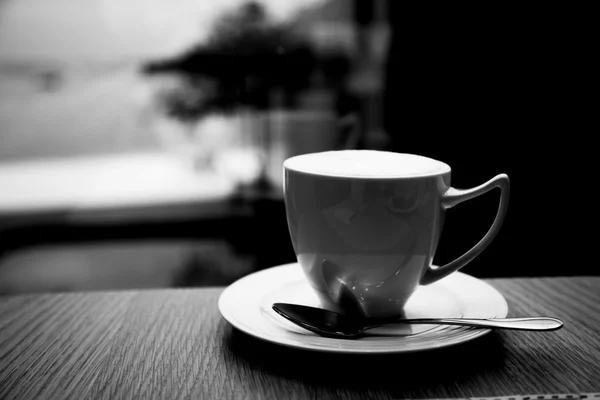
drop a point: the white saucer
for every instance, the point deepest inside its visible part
(246, 304)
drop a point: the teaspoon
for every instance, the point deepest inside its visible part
(331, 324)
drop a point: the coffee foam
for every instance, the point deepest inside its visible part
(366, 164)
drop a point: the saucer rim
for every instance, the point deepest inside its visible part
(233, 321)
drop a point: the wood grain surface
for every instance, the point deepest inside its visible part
(175, 344)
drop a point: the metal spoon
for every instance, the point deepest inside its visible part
(331, 324)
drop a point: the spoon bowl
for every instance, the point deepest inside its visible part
(331, 324)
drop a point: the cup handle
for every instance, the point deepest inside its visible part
(453, 197)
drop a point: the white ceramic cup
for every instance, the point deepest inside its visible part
(365, 225)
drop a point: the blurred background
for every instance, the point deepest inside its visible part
(141, 143)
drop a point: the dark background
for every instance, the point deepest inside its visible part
(492, 90)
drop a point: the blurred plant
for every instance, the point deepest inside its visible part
(249, 62)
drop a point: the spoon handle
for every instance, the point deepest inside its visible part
(527, 324)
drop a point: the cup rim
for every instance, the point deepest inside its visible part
(444, 168)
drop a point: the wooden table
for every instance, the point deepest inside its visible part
(175, 344)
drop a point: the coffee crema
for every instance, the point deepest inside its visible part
(366, 164)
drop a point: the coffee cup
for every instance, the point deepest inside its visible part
(365, 225)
